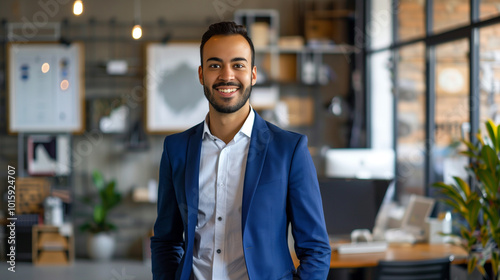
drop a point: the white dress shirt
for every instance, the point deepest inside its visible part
(218, 247)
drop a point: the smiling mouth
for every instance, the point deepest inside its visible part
(227, 90)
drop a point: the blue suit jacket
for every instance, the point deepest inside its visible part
(280, 187)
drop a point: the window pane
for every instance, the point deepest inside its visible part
(411, 120)
(450, 14)
(489, 8)
(411, 19)
(379, 28)
(489, 77)
(452, 109)
(381, 101)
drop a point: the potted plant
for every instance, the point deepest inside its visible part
(101, 241)
(478, 205)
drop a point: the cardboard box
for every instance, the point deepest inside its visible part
(287, 67)
(319, 29)
(329, 25)
(300, 110)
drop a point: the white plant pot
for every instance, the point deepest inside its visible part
(101, 246)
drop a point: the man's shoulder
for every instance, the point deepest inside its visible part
(283, 133)
(184, 135)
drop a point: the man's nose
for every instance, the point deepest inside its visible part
(226, 73)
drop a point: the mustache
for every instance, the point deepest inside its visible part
(226, 84)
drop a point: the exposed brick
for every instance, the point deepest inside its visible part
(410, 7)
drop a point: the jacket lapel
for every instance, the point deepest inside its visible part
(192, 178)
(259, 141)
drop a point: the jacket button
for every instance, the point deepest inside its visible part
(218, 251)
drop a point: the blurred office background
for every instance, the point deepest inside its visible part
(383, 89)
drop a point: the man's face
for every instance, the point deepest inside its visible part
(227, 75)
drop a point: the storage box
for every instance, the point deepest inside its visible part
(300, 110)
(319, 29)
(329, 25)
(287, 67)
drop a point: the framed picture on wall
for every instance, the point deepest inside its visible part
(45, 87)
(175, 99)
(48, 155)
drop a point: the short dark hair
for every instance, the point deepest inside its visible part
(226, 28)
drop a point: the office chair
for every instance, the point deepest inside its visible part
(435, 269)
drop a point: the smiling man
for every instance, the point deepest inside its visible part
(230, 187)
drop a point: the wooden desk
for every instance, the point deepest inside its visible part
(405, 252)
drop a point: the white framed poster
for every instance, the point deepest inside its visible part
(45, 87)
(175, 99)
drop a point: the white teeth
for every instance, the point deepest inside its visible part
(228, 90)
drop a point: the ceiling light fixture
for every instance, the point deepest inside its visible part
(78, 7)
(137, 30)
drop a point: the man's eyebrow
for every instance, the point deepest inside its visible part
(232, 60)
(238, 59)
(214, 59)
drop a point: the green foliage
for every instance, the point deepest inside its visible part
(479, 206)
(108, 198)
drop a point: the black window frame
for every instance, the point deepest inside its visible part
(430, 39)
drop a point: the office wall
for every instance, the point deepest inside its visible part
(108, 153)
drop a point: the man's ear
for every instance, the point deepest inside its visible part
(200, 75)
(254, 75)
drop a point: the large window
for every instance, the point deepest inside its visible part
(411, 19)
(450, 14)
(411, 118)
(489, 75)
(452, 109)
(444, 81)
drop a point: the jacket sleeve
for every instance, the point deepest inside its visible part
(167, 242)
(306, 215)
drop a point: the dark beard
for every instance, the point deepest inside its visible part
(227, 109)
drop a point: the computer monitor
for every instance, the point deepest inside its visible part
(350, 204)
(416, 213)
(360, 163)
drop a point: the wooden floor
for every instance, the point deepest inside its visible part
(79, 270)
(84, 269)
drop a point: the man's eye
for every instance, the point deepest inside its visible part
(214, 66)
(239, 66)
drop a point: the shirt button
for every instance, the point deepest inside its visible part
(218, 251)
(220, 218)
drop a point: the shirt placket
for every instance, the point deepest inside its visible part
(220, 214)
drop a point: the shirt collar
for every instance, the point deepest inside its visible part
(246, 128)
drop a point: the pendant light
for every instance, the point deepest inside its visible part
(137, 30)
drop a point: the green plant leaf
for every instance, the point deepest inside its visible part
(468, 154)
(463, 186)
(490, 158)
(471, 264)
(470, 146)
(498, 137)
(495, 262)
(452, 191)
(492, 133)
(110, 189)
(99, 214)
(85, 227)
(474, 207)
(489, 214)
(98, 179)
(489, 182)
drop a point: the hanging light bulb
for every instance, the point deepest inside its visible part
(137, 32)
(78, 7)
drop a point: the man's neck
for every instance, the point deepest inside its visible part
(225, 126)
